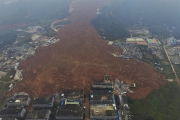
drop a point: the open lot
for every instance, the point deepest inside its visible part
(161, 65)
(81, 56)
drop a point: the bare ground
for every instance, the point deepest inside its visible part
(81, 57)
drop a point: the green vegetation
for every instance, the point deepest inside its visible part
(24, 38)
(8, 77)
(33, 11)
(162, 104)
(158, 17)
(29, 13)
(160, 31)
(4, 86)
(7, 37)
(161, 63)
(109, 27)
(2, 100)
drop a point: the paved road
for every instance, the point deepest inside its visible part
(87, 109)
(171, 65)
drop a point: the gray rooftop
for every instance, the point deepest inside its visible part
(38, 114)
(101, 95)
(9, 119)
(10, 111)
(42, 100)
(70, 110)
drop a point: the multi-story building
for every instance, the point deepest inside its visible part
(19, 100)
(72, 97)
(43, 102)
(105, 84)
(70, 112)
(12, 113)
(101, 97)
(38, 115)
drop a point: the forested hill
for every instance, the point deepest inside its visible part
(144, 12)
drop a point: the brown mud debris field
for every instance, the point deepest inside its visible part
(80, 57)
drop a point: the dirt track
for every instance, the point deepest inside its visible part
(81, 56)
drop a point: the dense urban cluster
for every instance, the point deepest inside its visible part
(25, 46)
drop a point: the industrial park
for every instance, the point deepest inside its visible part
(107, 100)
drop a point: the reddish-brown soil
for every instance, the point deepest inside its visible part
(81, 57)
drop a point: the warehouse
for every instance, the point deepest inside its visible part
(70, 112)
(38, 115)
(138, 41)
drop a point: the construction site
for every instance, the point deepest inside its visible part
(82, 57)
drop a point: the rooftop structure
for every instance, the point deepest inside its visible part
(105, 84)
(72, 96)
(12, 113)
(139, 41)
(101, 97)
(103, 112)
(19, 100)
(102, 85)
(70, 112)
(38, 114)
(43, 102)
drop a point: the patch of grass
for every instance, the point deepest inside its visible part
(7, 78)
(162, 104)
(4, 87)
(177, 69)
(162, 63)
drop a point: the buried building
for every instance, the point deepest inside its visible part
(105, 84)
(12, 113)
(72, 97)
(19, 100)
